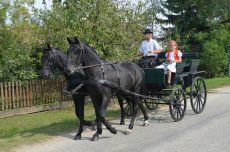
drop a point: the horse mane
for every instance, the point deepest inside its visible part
(93, 50)
(60, 58)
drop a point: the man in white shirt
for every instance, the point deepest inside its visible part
(149, 49)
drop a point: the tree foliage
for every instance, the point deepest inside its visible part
(214, 51)
(198, 26)
(15, 47)
(113, 27)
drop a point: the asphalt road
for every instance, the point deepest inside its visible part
(205, 132)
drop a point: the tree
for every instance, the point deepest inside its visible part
(113, 27)
(15, 47)
(214, 51)
(194, 24)
(192, 16)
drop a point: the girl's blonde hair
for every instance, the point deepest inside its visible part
(173, 42)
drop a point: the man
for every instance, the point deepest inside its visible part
(149, 49)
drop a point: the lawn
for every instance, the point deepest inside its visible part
(217, 82)
(32, 128)
(36, 127)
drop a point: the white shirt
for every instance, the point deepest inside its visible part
(147, 46)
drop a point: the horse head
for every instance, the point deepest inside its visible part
(49, 61)
(75, 54)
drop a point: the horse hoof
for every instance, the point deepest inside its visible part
(128, 132)
(145, 124)
(77, 137)
(95, 138)
(113, 130)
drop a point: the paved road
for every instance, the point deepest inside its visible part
(205, 132)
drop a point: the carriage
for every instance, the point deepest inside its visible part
(125, 80)
(187, 84)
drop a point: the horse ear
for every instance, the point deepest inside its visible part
(49, 47)
(69, 40)
(76, 40)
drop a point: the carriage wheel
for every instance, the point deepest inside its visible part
(128, 109)
(151, 104)
(177, 104)
(198, 95)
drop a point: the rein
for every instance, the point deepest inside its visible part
(101, 64)
(90, 66)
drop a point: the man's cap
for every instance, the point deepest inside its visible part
(147, 31)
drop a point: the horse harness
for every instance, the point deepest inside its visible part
(104, 81)
(91, 81)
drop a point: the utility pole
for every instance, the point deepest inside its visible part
(229, 44)
(229, 60)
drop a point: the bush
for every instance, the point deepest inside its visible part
(214, 52)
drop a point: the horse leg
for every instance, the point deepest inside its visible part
(79, 111)
(98, 122)
(104, 105)
(135, 109)
(120, 101)
(144, 114)
(87, 122)
(99, 129)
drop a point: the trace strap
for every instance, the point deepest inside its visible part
(115, 86)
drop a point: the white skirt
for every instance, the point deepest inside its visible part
(167, 66)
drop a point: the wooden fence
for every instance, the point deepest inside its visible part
(31, 93)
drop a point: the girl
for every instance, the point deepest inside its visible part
(173, 56)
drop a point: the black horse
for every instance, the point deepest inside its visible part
(53, 58)
(127, 75)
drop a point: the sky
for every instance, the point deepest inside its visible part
(38, 3)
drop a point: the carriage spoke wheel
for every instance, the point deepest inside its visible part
(128, 109)
(198, 95)
(151, 104)
(177, 104)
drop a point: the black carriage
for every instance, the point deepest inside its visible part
(187, 84)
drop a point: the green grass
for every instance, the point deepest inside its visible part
(36, 127)
(217, 82)
(32, 128)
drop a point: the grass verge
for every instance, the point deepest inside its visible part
(217, 82)
(36, 127)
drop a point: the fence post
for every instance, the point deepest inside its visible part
(229, 60)
(2, 97)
